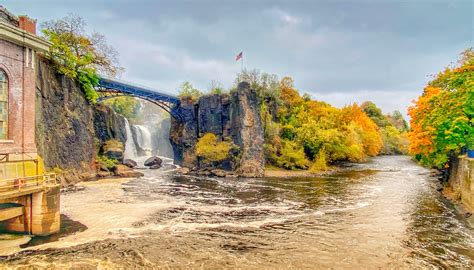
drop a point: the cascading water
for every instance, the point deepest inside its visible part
(143, 136)
(130, 149)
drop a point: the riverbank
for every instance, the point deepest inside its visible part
(92, 211)
(271, 171)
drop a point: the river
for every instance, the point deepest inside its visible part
(386, 213)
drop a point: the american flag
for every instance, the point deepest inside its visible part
(239, 56)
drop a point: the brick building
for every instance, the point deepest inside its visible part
(18, 48)
(29, 200)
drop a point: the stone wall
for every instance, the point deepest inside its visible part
(68, 128)
(233, 117)
(461, 180)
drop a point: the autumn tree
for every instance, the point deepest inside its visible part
(210, 149)
(442, 117)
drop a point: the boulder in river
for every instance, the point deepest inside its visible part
(154, 167)
(124, 171)
(130, 163)
(219, 173)
(153, 161)
(183, 170)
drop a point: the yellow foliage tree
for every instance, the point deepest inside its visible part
(210, 149)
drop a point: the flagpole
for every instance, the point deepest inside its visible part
(242, 64)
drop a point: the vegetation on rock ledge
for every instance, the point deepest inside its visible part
(210, 149)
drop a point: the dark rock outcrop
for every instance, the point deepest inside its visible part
(130, 163)
(68, 129)
(233, 117)
(108, 124)
(65, 135)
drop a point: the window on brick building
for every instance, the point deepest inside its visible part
(3, 105)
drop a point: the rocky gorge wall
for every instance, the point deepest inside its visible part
(232, 117)
(68, 128)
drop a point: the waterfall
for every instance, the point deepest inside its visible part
(130, 149)
(143, 137)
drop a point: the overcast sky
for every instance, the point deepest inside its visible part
(337, 51)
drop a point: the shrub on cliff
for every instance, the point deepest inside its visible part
(211, 150)
(78, 55)
(187, 90)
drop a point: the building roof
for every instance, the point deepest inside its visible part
(8, 17)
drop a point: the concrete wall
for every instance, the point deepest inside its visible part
(42, 219)
(461, 180)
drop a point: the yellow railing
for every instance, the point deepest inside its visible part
(22, 183)
(24, 173)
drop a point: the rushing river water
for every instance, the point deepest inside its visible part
(382, 214)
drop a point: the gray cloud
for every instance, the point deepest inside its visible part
(338, 51)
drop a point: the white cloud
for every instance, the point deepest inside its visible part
(151, 64)
(388, 101)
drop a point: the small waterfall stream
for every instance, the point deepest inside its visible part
(130, 149)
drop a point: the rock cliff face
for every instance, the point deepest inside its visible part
(232, 117)
(68, 128)
(108, 124)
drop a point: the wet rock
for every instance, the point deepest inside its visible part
(183, 170)
(103, 174)
(219, 173)
(153, 161)
(130, 163)
(169, 166)
(154, 167)
(203, 173)
(72, 188)
(124, 171)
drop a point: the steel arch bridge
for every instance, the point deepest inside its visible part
(111, 88)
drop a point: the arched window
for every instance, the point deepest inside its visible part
(3, 105)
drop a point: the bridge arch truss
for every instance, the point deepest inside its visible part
(108, 88)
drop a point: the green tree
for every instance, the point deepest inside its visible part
(187, 90)
(216, 88)
(78, 55)
(126, 106)
(397, 120)
(375, 113)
